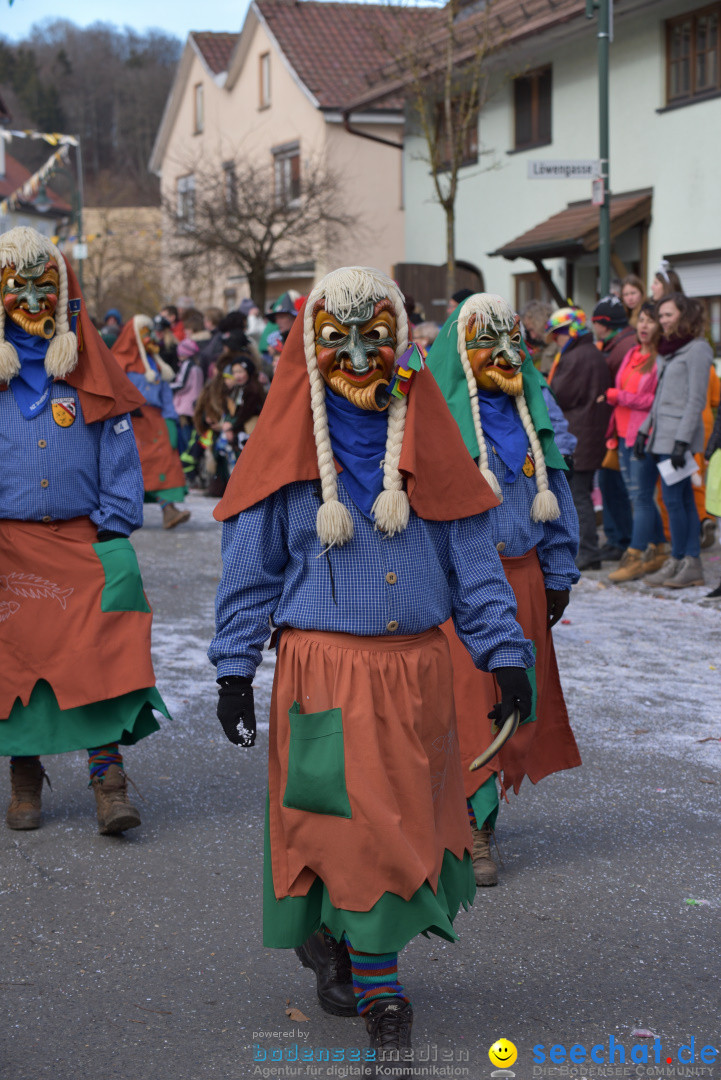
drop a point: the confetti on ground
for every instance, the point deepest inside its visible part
(696, 903)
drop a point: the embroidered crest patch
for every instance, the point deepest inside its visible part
(64, 411)
(529, 466)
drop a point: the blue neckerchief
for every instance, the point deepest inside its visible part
(31, 387)
(504, 428)
(358, 440)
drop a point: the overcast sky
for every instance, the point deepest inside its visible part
(174, 16)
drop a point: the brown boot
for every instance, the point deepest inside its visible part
(172, 516)
(26, 778)
(115, 812)
(630, 567)
(654, 557)
(484, 868)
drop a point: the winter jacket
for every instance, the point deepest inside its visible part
(676, 413)
(639, 401)
(580, 382)
(615, 350)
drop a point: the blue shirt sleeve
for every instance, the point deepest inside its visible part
(558, 547)
(484, 607)
(255, 553)
(120, 479)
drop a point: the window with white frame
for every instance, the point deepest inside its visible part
(264, 81)
(199, 110)
(186, 200)
(230, 185)
(286, 163)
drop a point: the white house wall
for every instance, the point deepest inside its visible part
(677, 153)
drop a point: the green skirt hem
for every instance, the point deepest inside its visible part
(42, 727)
(485, 802)
(389, 925)
(174, 495)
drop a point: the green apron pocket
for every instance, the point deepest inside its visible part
(123, 590)
(316, 763)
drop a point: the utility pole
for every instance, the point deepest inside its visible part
(605, 11)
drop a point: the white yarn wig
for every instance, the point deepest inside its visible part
(19, 247)
(142, 322)
(343, 290)
(487, 308)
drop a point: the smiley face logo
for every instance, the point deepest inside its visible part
(503, 1053)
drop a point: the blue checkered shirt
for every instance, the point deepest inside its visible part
(555, 541)
(53, 473)
(274, 567)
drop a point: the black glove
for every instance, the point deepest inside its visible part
(678, 454)
(639, 446)
(516, 693)
(556, 604)
(236, 709)
(107, 534)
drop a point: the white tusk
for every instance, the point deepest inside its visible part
(508, 730)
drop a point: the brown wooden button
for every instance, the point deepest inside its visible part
(391, 578)
(47, 518)
(500, 546)
(44, 483)
(42, 443)
(392, 625)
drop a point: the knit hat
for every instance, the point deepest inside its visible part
(246, 306)
(19, 247)
(343, 290)
(287, 304)
(569, 319)
(611, 313)
(187, 348)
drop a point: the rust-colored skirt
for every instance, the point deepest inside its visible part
(160, 463)
(540, 747)
(74, 632)
(365, 785)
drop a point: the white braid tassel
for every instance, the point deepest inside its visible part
(545, 505)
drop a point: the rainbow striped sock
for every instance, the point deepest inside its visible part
(471, 814)
(101, 758)
(375, 978)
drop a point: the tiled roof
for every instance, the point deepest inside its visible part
(14, 178)
(217, 49)
(505, 24)
(335, 48)
(575, 229)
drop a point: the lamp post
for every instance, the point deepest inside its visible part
(605, 12)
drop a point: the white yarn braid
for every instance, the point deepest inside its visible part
(486, 471)
(545, 505)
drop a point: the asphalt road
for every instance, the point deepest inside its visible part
(140, 957)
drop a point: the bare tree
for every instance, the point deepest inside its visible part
(123, 267)
(440, 67)
(254, 218)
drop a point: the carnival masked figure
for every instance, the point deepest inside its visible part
(70, 495)
(356, 521)
(155, 424)
(496, 398)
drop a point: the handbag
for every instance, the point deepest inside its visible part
(713, 484)
(610, 460)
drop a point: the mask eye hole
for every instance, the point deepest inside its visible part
(329, 333)
(377, 333)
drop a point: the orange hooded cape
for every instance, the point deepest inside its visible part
(442, 481)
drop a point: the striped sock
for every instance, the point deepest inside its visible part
(375, 978)
(101, 758)
(471, 814)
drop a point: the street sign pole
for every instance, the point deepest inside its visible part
(604, 8)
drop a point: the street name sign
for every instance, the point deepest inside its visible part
(564, 170)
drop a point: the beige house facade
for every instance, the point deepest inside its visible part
(276, 94)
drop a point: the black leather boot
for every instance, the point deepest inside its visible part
(331, 963)
(389, 1025)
